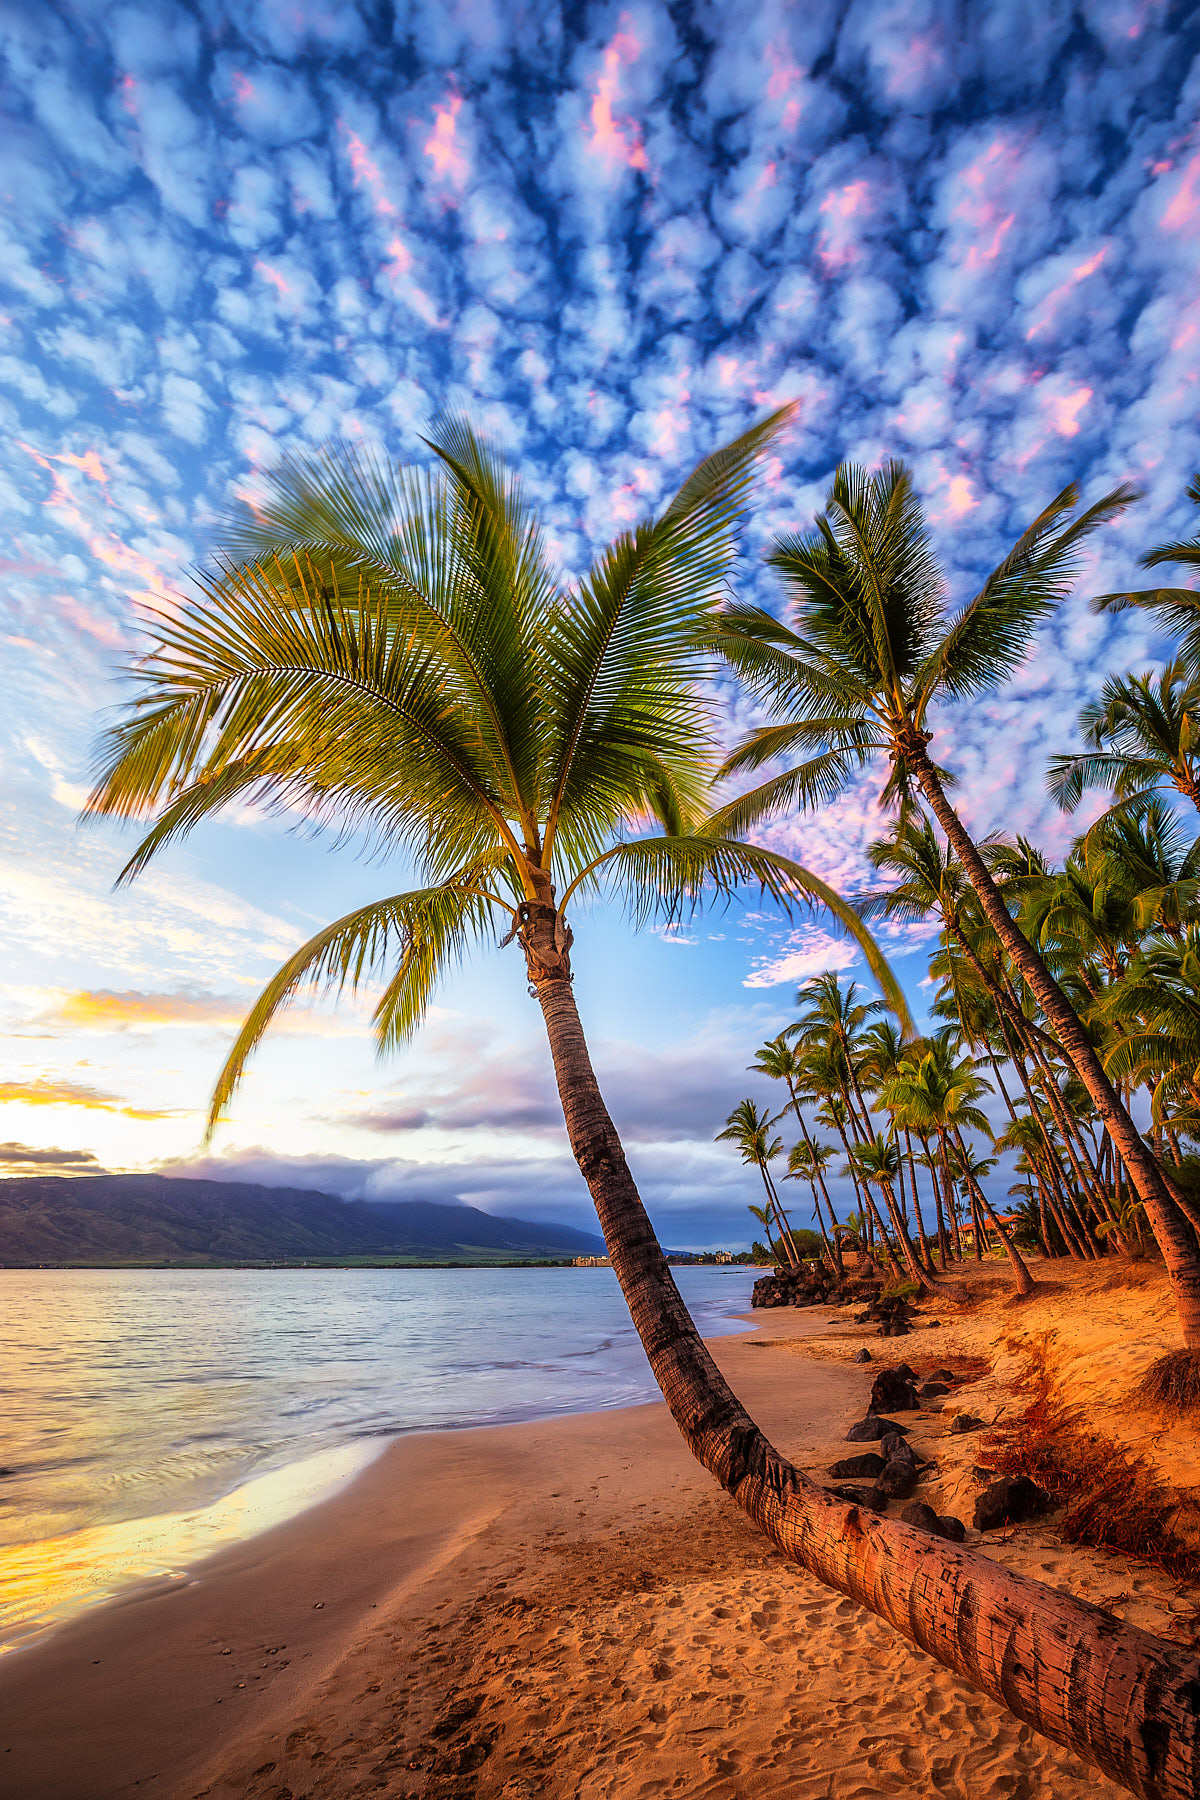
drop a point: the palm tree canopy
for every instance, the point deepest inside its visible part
(877, 640)
(749, 1127)
(390, 651)
(1177, 608)
(1142, 735)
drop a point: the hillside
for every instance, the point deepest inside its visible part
(156, 1218)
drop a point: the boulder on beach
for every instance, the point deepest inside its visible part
(939, 1525)
(872, 1428)
(1010, 1501)
(854, 1467)
(894, 1390)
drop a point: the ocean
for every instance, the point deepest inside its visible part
(150, 1417)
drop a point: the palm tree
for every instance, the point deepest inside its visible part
(1142, 735)
(834, 1021)
(779, 1060)
(808, 1162)
(1177, 609)
(943, 1096)
(394, 654)
(877, 647)
(750, 1130)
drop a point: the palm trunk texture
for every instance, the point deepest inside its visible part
(1119, 1698)
(1182, 1264)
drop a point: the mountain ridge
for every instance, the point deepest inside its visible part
(90, 1220)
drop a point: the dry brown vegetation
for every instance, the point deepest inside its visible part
(1109, 1494)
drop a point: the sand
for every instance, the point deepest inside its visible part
(572, 1610)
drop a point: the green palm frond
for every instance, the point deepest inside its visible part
(991, 634)
(666, 878)
(427, 927)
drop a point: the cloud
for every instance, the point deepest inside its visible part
(807, 951)
(462, 1088)
(49, 1090)
(105, 1010)
(23, 1157)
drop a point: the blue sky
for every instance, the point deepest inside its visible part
(615, 235)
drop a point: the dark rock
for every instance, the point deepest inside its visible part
(898, 1480)
(853, 1466)
(1010, 1501)
(934, 1323)
(925, 1519)
(872, 1428)
(893, 1448)
(871, 1498)
(932, 1390)
(966, 1422)
(918, 1514)
(982, 1474)
(861, 1356)
(893, 1391)
(943, 1375)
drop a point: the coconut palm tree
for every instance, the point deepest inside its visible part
(876, 648)
(942, 1096)
(1176, 609)
(808, 1162)
(750, 1129)
(393, 654)
(1142, 735)
(778, 1059)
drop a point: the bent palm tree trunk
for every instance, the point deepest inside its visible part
(1183, 1265)
(1116, 1696)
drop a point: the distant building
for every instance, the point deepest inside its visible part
(592, 1262)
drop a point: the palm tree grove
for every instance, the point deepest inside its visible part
(390, 650)
(600, 900)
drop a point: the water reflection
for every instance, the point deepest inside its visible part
(148, 1417)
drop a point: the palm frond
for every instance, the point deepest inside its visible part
(427, 924)
(667, 878)
(621, 654)
(991, 633)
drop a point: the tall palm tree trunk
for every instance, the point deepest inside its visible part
(818, 1181)
(926, 1253)
(1183, 1264)
(781, 1219)
(1116, 1696)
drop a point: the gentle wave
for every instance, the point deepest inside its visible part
(150, 1417)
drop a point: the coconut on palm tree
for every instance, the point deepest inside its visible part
(877, 646)
(394, 654)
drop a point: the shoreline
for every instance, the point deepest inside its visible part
(60, 1578)
(567, 1607)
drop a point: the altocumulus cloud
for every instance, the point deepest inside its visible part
(613, 236)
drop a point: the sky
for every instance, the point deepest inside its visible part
(615, 235)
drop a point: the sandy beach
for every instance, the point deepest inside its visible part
(572, 1608)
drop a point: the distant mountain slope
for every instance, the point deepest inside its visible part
(119, 1218)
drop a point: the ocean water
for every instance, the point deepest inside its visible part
(149, 1417)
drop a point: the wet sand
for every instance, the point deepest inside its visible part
(562, 1609)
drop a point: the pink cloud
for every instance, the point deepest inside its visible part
(837, 244)
(442, 146)
(617, 140)
(1054, 298)
(1182, 210)
(1064, 410)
